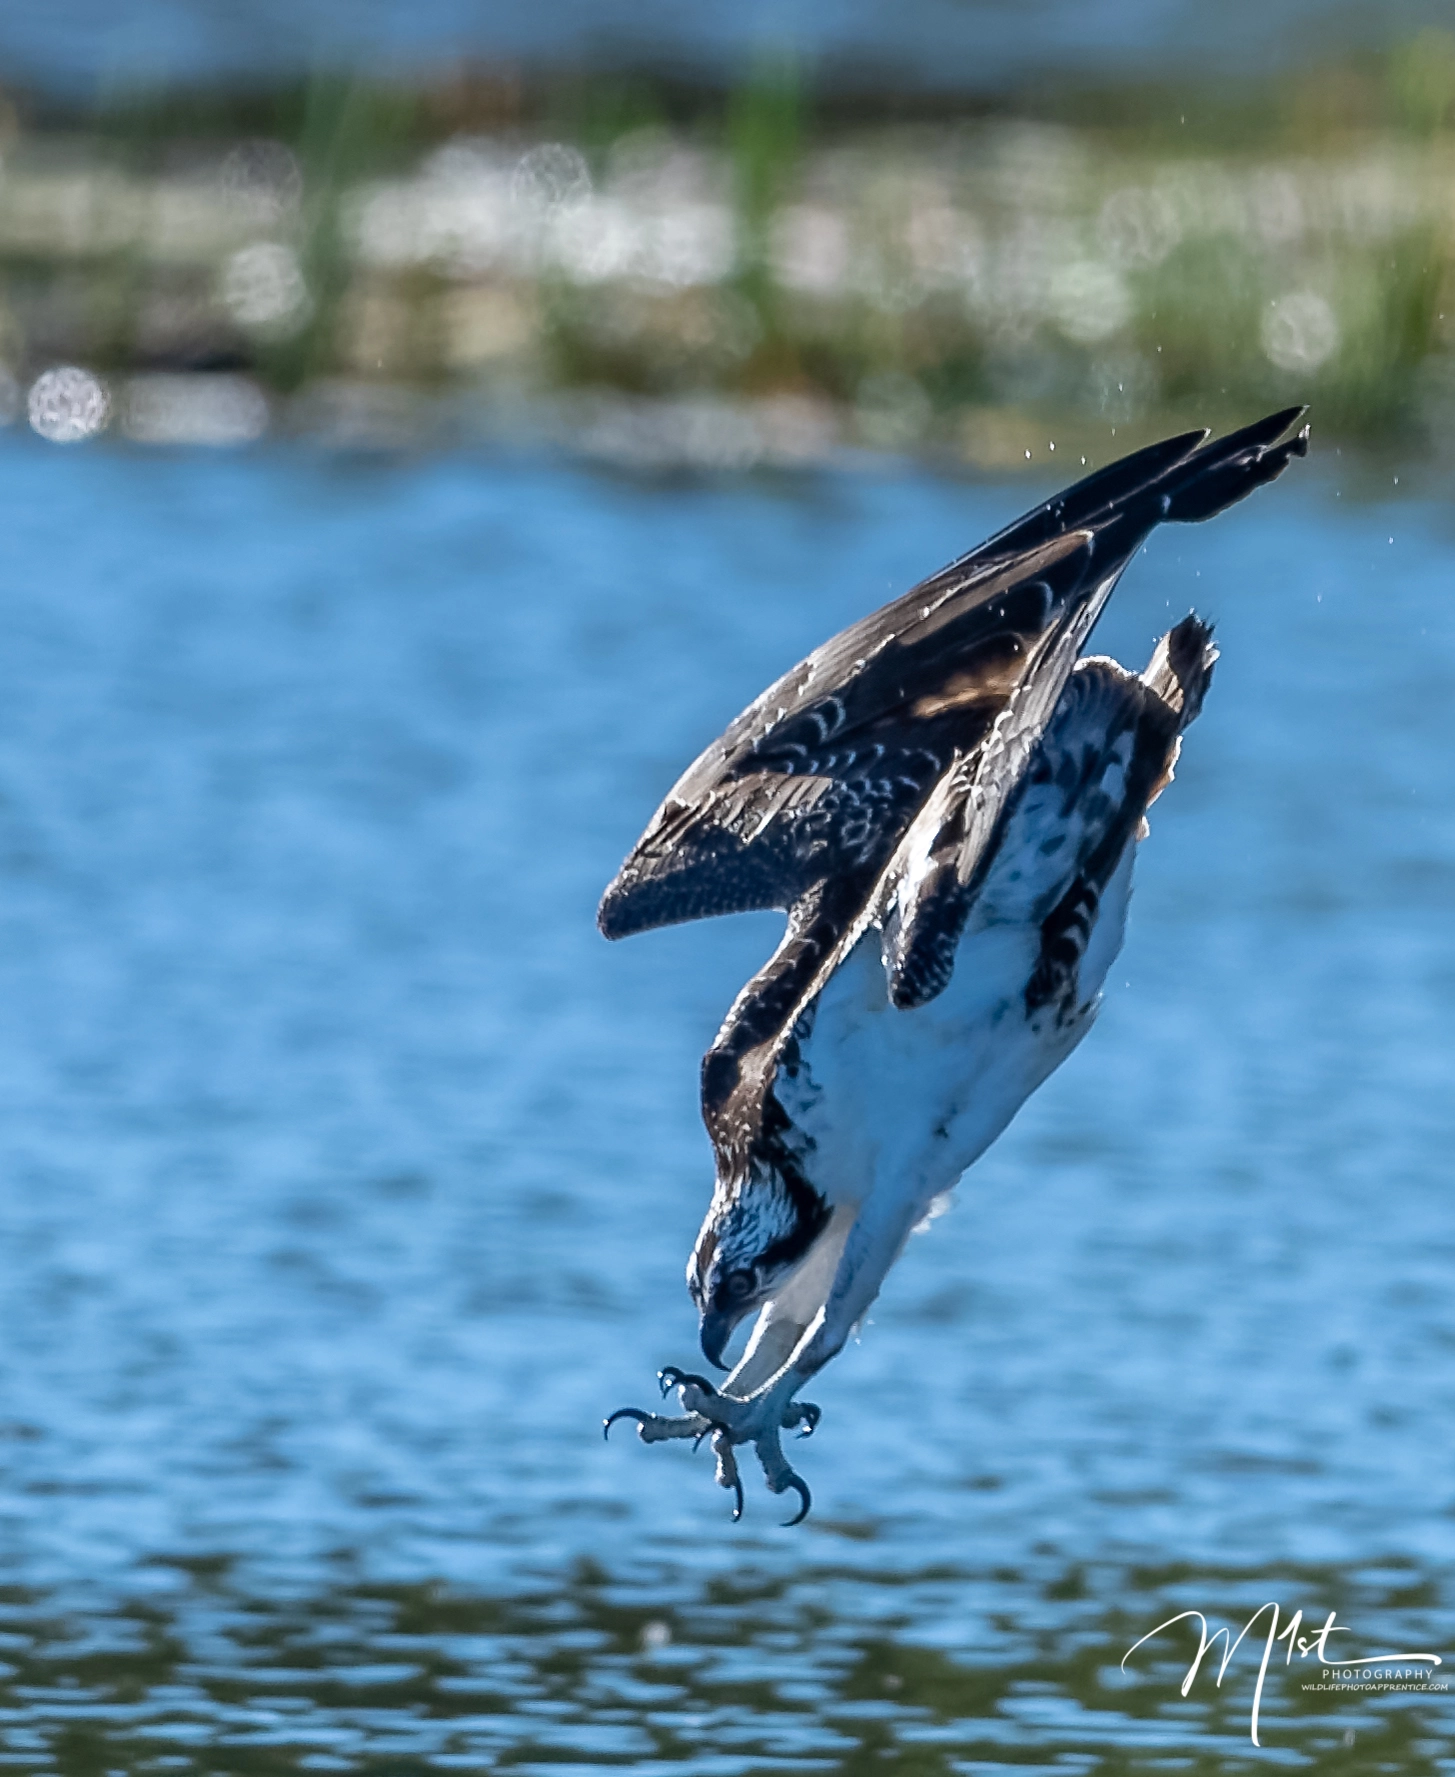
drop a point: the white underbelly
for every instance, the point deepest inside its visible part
(911, 1098)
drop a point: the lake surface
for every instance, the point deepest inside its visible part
(81, 46)
(347, 1176)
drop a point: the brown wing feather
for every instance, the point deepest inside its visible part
(877, 714)
(821, 775)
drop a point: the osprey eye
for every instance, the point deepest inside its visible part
(737, 1286)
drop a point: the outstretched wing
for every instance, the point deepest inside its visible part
(934, 860)
(820, 777)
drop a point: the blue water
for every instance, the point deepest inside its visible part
(347, 1176)
(89, 46)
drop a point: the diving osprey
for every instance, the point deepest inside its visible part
(945, 799)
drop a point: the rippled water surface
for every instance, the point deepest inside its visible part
(347, 1176)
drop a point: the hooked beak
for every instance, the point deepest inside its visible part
(715, 1331)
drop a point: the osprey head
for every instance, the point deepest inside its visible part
(757, 1231)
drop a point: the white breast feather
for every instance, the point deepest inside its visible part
(906, 1100)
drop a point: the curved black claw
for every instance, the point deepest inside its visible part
(737, 1488)
(624, 1413)
(672, 1377)
(811, 1416)
(800, 1487)
(706, 1432)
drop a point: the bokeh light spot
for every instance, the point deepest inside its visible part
(68, 404)
(213, 410)
(1089, 300)
(263, 180)
(551, 176)
(1299, 331)
(263, 289)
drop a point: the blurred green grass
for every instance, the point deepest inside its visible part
(873, 269)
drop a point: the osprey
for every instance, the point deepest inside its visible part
(945, 799)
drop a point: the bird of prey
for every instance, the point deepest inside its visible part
(945, 799)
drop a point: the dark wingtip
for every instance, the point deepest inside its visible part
(1223, 472)
(1088, 501)
(609, 915)
(1269, 429)
(1297, 446)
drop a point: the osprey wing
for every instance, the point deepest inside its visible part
(826, 769)
(829, 915)
(927, 891)
(934, 862)
(823, 773)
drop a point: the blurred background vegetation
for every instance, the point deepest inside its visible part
(660, 267)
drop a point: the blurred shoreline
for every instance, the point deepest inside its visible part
(665, 275)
